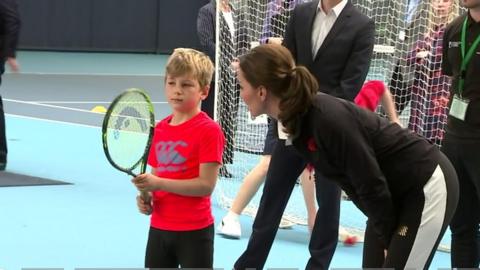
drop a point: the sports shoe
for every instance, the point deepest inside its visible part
(344, 196)
(230, 228)
(285, 224)
(3, 163)
(3, 166)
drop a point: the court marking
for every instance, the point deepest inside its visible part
(79, 102)
(85, 74)
(51, 121)
(42, 103)
(50, 106)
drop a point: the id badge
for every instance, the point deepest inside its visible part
(459, 107)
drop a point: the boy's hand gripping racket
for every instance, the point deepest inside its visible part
(127, 132)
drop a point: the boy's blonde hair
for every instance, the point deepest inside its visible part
(186, 61)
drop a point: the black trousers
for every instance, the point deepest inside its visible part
(286, 165)
(208, 104)
(409, 246)
(3, 136)
(188, 249)
(228, 112)
(465, 157)
(400, 89)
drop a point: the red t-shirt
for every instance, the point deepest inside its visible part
(370, 94)
(176, 153)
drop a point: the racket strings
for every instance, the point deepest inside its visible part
(128, 129)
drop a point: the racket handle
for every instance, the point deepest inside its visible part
(147, 199)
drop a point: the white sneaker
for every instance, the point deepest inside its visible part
(230, 228)
(285, 224)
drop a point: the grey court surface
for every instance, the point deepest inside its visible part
(65, 86)
(72, 97)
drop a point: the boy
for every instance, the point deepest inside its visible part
(375, 92)
(185, 157)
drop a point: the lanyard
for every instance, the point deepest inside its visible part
(465, 58)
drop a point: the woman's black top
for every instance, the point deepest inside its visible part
(374, 161)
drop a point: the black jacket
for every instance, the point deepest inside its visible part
(9, 28)
(374, 161)
(206, 27)
(341, 64)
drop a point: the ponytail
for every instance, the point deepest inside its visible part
(295, 102)
(273, 66)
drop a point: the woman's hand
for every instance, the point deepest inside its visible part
(275, 40)
(422, 54)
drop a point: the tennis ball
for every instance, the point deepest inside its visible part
(350, 241)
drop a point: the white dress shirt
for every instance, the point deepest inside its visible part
(323, 23)
(411, 9)
(230, 23)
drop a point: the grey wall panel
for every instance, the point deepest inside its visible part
(152, 26)
(125, 25)
(69, 24)
(35, 23)
(178, 24)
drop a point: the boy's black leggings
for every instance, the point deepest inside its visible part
(187, 249)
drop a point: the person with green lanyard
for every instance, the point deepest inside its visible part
(461, 60)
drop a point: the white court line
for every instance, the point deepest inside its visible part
(88, 74)
(87, 102)
(40, 103)
(50, 106)
(52, 121)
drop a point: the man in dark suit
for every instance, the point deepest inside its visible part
(335, 42)
(206, 35)
(234, 42)
(9, 30)
(206, 25)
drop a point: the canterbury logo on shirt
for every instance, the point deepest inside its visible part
(168, 157)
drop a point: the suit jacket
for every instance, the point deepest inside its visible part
(9, 28)
(206, 27)
(342, 62)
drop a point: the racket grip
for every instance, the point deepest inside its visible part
(147, 199)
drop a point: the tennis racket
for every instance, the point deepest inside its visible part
(127, 132)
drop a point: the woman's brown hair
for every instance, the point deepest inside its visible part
(272, 66)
